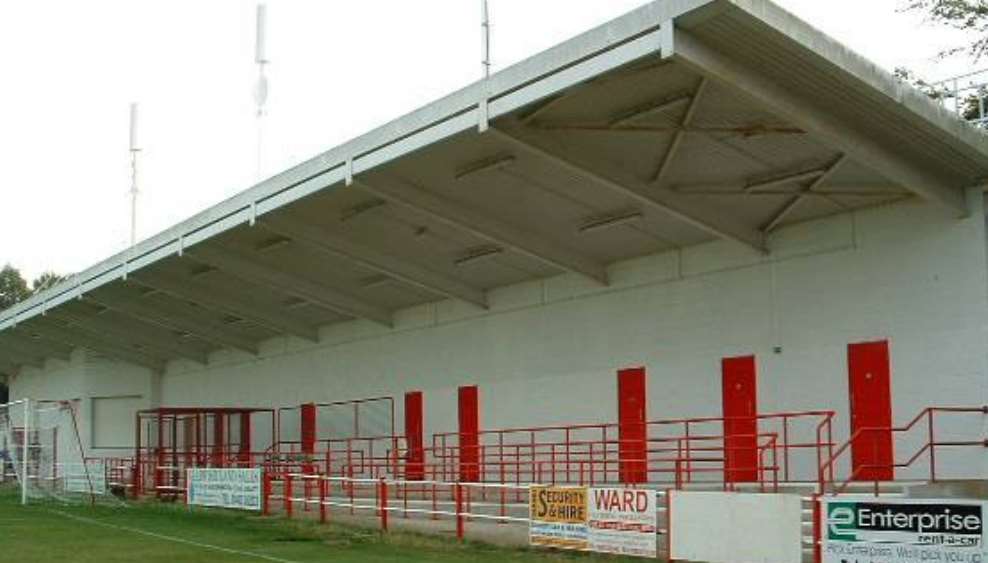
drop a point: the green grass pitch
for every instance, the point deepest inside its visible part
(151, 533)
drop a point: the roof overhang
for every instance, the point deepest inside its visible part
(681, 122)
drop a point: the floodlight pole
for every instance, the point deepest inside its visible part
(134, 150)
(485, 28)
(261, 86)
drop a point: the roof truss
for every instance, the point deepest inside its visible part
(248, 269)
(384, 263)
(229, 303)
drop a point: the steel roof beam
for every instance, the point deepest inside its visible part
(16, 356)
(175, 318)
(666, 201)
(829, 128)
(82, 338)
(383, 263)
(247, 269)
(796, 198)
(520, 240)
(228, 302)
(680, 135)
(37, 347)
(158, 340)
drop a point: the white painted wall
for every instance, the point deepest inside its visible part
(547, 351)
(88, 379)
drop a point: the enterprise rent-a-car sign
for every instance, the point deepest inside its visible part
(904, 531)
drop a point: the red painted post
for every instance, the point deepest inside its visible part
(266, 494)
(933, 448)
(459, 511)
(288, 495)
(322, 500)
(383, 493)
(817, 509)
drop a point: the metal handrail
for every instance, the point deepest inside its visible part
(827, 468)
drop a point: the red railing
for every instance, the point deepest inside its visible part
(591, 452)
(678, 460)
(931, 443)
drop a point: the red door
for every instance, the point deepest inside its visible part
(871, 411)
(415, 458)
(739, 389)
(245, 437)
(307, 435)
(219, 439)
(632, 428)
(469, 414)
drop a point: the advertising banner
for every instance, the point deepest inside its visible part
(558, 517)
(225, 488)
(903, 531)
(88, 478)
(623, 521)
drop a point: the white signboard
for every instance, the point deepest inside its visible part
(89, 478)
(728, 527)
(225, 488)
(903, 531)
(622, 521)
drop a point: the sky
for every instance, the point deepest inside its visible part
(338, 68)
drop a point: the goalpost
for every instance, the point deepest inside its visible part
(41, 451)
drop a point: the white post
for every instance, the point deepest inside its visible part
(134, 150)
(24, 446)
(261, 86)
(485, 28)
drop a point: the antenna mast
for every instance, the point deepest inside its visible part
(261, 86)
(485, 28)
(134, 150)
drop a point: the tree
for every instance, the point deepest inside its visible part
(45, 281)
(964, 15)
(13, 288)
(970, 16)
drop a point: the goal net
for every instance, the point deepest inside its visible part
(41, 454)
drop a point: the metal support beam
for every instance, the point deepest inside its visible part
(663, 200)
(245, 268)
(176, 318)
(679, 136)
(159, 341)
(389, 265)
(630, 116)
(784, 211)
(24, 342)
(11, 354)
(528, 243)
(85, 339)
(838, 134)
(785, 180)
(228, 302)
